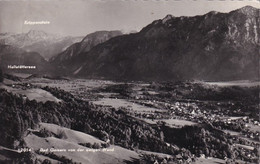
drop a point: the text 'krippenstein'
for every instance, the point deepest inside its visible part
(36, 22)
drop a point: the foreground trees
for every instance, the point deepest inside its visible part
(1, 76)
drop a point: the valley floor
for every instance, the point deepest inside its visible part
(196, 122)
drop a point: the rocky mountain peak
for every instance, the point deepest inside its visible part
(46, 44)
(166, 18)
(36, 34)
(248, 10)
(212, 13)
(101, 34)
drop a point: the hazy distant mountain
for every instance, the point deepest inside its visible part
(214, 46)
(69, 58)
(10, 56)
(46, 44)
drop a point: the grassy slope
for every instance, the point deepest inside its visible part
(71, 142)
(33, 94)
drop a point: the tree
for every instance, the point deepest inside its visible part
(1, 76)
(46, 161)
(161, 136)
(112, 140)
(87, 128)
(96, 146)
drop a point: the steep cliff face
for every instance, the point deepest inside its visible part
(214, 46)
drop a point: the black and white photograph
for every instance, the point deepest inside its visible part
(129, 82)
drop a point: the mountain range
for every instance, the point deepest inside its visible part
(48, 45)
(214, 46)
(14, 50)
(13, 56)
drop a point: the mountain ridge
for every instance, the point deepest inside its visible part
(67, 58)
(39, 41)
(214, 46)
(14, 56)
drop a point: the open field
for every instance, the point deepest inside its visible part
(64, 147)
(33, 94)
(244, 83)
(22, 75)
(178, 122)
(117, 103)
(71, 85)
(210, 161)
(70, 135)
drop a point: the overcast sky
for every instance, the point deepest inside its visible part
(81, 17)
